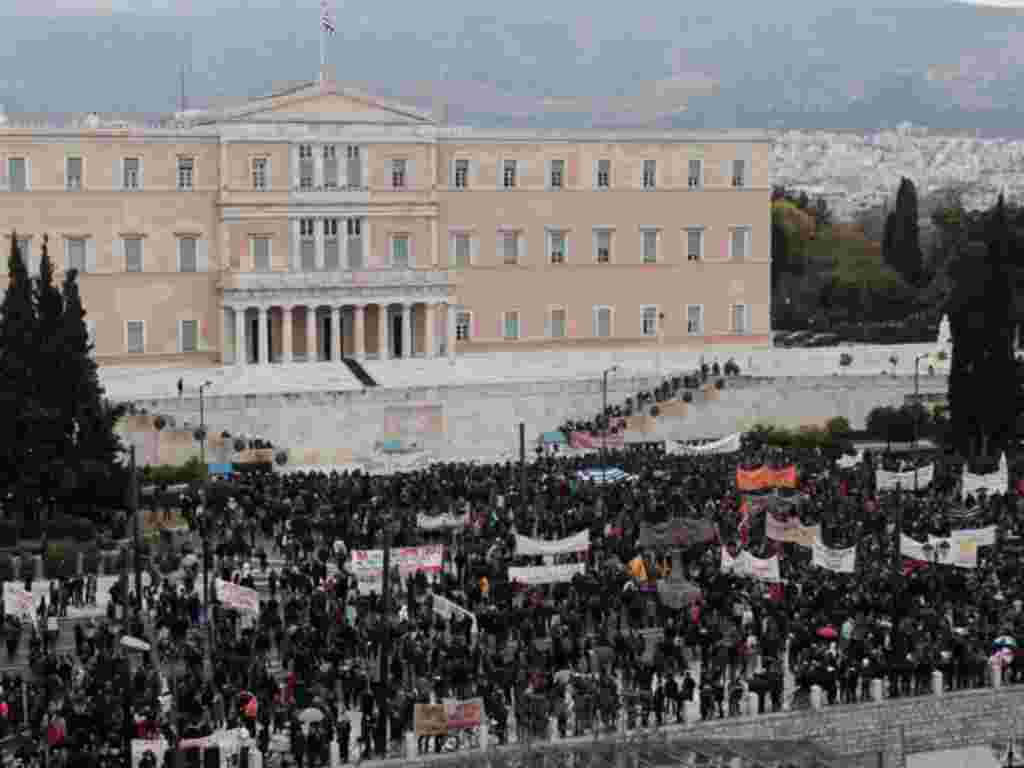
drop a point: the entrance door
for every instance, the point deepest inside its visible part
(325, 338)
(253, 340)
(397, 341)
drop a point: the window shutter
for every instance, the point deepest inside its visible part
(451, 249)
(28, 173)
(364, 171)
(474, 250)
(181, 336)
(67, 254)
(410, 260)
(141, 175)
(547, 174)
(565, 244)
(294, 171)
(521, 247)
(252, 255)
(119, 173)
(410, 173)
(90, 255)
(120, 265)
(522, 173)
(202, 255)
(500, 181)
(269, 174)
(364, 235)
(727, 173)
(3, 173)
(451, 172)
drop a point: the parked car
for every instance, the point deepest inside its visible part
(796, 338)
(822, 340)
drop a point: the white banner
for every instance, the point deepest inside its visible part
(729, 444)
(18, 601)
(240, 598)
(849, 462)
(438, 522)
(838, 560)
(579, 542)
(546, 574)
(229, 743)
(985, 537)
(745, 564)
(890, 481)
(445, 608)
(995, 482)
(367, 565)
(962, 551)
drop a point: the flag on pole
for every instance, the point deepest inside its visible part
(326, 23)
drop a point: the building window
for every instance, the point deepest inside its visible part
(603, 246)
(354, 230)
(604, 174)
(73, 173)
(557, 174)
(650, 174)
(132, 173)
(463, 321)
(189, 335)
(740, 319)
(354, 168)
(17, 174)
(77, 254)
(187, 261)
(261, 254)
(694, 175)
(133, 254)
(694, 319)
(649, 321)
(602, 322)
(332, 245)
(649, 246)
(462, 250)
(186, 171)
(509, 174)
(556, 247)
(330, 156)
(461, 180)
(511, 325)
(305, 167)
(556, 325)
(398, 167)
(400, 251)
(739, 243)
(307, 245)
(259, 173)
(509, 247)
(694, 244)
(136, 332)
(739, 173)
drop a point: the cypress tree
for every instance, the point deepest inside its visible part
(901, 242)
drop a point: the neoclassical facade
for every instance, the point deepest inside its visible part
(319, 223)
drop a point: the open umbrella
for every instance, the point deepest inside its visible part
(1004, 641)
(827, 633)
(311, 715)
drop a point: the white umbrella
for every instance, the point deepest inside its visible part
(134, 644)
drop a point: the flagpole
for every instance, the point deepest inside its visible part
(323, 49)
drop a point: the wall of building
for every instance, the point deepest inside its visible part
(481, 421)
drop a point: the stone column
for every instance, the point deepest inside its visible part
(311, 334)
(241, 356)
(335, 350)
(428, 331)
(359, 331)
(382, 332)
(407, 340)
(450, 336)
(318, 239)
(286, 334)
(261, 336)
(318, 166)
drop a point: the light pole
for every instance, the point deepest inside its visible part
(604, 421)
(202, 424)
(917, 408)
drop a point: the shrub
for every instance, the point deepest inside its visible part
(846, 359)
(838, 426)
(687, 397)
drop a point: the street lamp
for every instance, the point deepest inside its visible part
(604, 418)
(202, 423)
(917, 407)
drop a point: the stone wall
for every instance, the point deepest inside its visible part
(482, 421)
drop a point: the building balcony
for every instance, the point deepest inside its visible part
(347, 195)
(391, 279)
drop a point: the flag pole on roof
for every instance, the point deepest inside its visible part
(326, 28)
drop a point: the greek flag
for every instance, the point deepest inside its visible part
(326, 23)
(610, 475)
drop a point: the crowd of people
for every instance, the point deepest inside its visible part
(580, 654)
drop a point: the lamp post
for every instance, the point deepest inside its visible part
(604, 418)
(202, 423)
(917, 407)
(383, 703)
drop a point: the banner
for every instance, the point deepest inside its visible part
(430, 720)
(445, 608)
(676, 533)
(18, 601)
(546, 574)
(985, 537)
(601, 476)
(579, 542)
(764, 478)
(367, 565)
(849, 462)
(451, 715)
(438, 522)
(790, 531)
(745, 564)
(891, 481)
(240, 598)
(837, 560)
(729, 444)
(962, 551)
(593, 441)
(994, 482)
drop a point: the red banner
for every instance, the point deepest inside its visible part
(764, 478)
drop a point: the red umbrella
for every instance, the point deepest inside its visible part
(827, 633)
